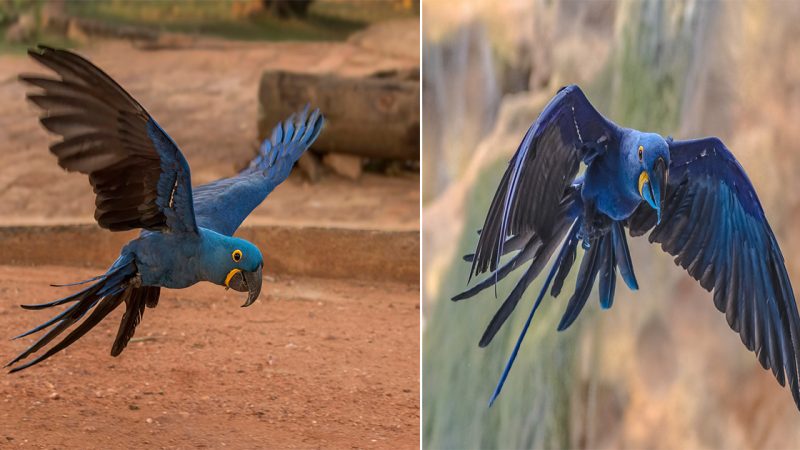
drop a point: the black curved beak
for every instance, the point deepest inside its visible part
(658, 183)
(249, 282)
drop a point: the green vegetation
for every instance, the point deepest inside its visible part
(32, 33)
(649, 69)
(232, 19)
(242, 20)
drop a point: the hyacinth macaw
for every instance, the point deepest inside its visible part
(142, 181)
(693, 197)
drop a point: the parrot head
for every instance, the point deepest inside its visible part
(653, 155)
(242, 264)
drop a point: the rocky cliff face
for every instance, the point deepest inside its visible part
(661, 369)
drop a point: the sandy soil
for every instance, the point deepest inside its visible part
(206, 99)
(313, 364)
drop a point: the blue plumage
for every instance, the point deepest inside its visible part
(693, 197)
(142, 180)
(224, 204)
(174, 186)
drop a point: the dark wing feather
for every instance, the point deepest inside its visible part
(545, 164)
(715, 227)
(223, 205)
(135, 301)
(591, 264)
(536, 197)
(139, 176)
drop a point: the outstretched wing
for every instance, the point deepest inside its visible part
(533, 205)
(223, 205)
(714, 225)
(139, 176)
(543, 167)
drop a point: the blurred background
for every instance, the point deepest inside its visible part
(661, 369)
(233, 69)
(329, 356)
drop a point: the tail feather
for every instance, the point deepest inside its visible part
(623, 256)
(70, 298)
(540, 259)
(135, 302)
(152, 295)
(104, 295)
(607, 253)
(502, 314)
(608, 273)
(78, 283)
(75, 314)
(527, 253)
(90, 293)
(571, 249)
(569, 243)
(513, 244)
(107, 305)
(590, 265)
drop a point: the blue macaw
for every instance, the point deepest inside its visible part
(692, 196)
(142, 181)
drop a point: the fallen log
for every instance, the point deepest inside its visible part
(373, 117)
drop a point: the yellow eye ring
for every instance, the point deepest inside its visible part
(236, 255)
(641, 152)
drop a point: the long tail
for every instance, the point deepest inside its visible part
(101, 297)
(569, 246)
(607, 254)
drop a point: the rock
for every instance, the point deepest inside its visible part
(398, 37)
(348, 166)
(23, 30)
(311, 166)
(375, 117)
(76, 33)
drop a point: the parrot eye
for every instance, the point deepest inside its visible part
(236, 255)
(641, 153)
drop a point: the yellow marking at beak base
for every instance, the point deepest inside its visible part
(230, 275)
(643, 178)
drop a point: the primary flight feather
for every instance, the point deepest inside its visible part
(142, 181)
(693, 197)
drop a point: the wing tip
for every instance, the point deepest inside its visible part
(286, 141)
(41, 52)
(457, 298)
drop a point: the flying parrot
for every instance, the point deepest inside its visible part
(693, 197)
(142, 181)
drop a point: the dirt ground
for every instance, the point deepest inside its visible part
(206, 98)
(313, 364)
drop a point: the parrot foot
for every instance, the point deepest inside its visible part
(593, 226)
(590, 234)
(135, 282)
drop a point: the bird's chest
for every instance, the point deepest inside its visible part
(167, 262)
(606, 186)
